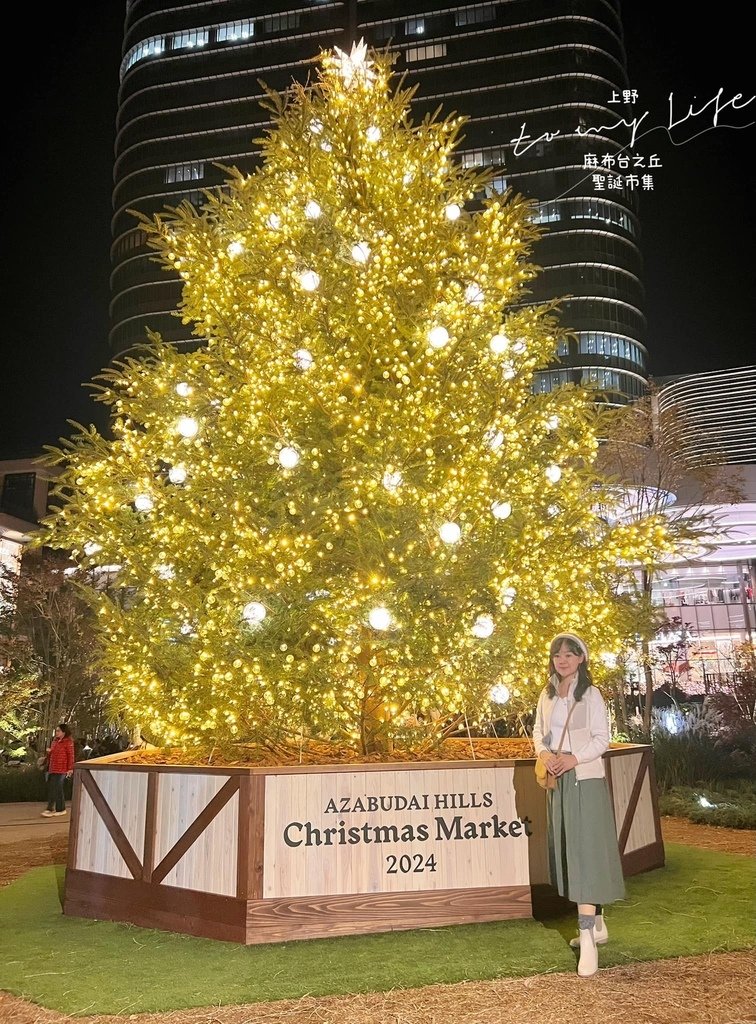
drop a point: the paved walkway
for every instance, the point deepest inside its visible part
(24, 821)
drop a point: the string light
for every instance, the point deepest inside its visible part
(329, 455)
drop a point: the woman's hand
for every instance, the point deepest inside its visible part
(548, 759)
(561, 763)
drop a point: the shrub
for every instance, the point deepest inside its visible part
(25, 784)
(728, 807)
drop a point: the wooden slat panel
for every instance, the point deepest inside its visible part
(113, 830)
(150, 826)
(126, 796)
(632, 804)
(216, 864)
(73, 831)
(284, 920)
(624, 772)
(371, 861)
(642, 831)
(155, 906)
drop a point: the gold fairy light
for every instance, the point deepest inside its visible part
(345, 512)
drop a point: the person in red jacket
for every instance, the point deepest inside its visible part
(60, 763)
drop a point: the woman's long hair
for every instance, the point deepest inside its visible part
(584, 679)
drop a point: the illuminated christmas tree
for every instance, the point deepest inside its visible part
(345, 515)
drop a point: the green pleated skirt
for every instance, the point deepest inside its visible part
(584, 861)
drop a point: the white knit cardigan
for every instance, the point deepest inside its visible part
(588, 731)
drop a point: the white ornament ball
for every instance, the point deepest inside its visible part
(483, 627)
(177, 474)
(165, 572)
(494, 438)
(438, 337)
(274, 221)
(552, 422)
(235, 249)
(288, 457)
(453, 211)
(508, 371)
(316, 127)
(312, 210)
(499, 694)
(392, 481)
(450, 533)
(187, 426)
(183, 389)
(519, 346)
(309, 280)
(303, 359)
(380, 618)
(360, 252)
(499, 344)
(508, 595)
(143, 503)
(553, 473)
(373, 133)
(474, 294)
(501, 509)
(254, 613)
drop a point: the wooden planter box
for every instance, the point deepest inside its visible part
(272, 854)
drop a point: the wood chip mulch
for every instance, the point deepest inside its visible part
(315, 752)
(717, 988)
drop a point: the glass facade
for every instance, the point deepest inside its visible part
(190, 100)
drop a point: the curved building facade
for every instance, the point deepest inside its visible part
(713, 415)
(190, 100)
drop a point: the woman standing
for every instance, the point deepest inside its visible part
(60, 763)
(584, 860)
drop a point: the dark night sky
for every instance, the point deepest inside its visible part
(698, 224)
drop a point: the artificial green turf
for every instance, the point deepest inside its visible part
(700, 902)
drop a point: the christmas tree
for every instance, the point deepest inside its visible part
(345, 514)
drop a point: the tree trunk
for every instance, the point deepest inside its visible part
(647, 671)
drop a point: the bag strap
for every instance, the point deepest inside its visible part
(564, 731)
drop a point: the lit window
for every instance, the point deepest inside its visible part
(490, 156)
(475, 15)
(189, 39)
(415, 26)
(151, 47)
(235, 31)
(194, 171)
(418, 53)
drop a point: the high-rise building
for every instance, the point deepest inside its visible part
(190, 101)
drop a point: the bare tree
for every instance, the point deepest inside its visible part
(47, 643)
(656, 474)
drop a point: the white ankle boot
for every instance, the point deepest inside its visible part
(588, 963)
(600, 933)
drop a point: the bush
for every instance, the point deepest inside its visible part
(692, 748)
(26, 784)
(730, 807)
